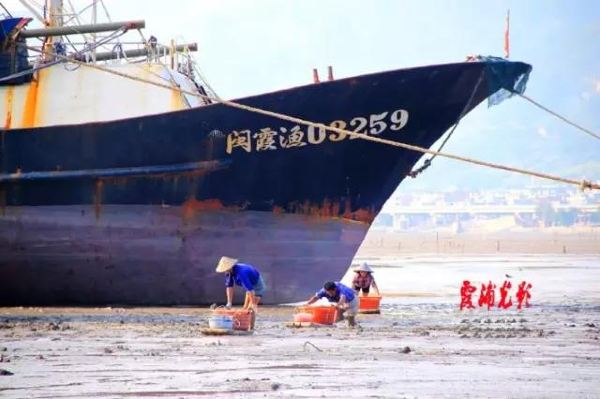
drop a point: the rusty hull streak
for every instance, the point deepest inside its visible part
(9, 104)
(362, 215)
(31, 103)
(177, 101)
(192, 206)
(98, 197)
(329, 210)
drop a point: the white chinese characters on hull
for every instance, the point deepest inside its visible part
(269, 139)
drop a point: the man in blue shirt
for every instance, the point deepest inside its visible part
(344, 297)
(245, 276)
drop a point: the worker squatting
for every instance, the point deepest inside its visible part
(344, 298)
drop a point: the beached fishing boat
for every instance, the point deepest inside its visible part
(116, 191)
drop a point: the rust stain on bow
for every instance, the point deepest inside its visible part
(192, 206)
(9, 104)
(31, 109)
(98, 197)
(329, 209)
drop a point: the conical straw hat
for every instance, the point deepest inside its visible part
(363, 268)
(225, 264)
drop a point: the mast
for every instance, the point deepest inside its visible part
(54, 18)
(55, 13)
(94, 21)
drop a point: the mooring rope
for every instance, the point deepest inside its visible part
(583, 184)
(562, 118)
(427, 163)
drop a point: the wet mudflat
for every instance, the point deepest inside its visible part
(420, 346)
(417, 350)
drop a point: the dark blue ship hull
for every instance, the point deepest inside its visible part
(138, 211)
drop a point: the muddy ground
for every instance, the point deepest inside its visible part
(422, 345)
(411, 350)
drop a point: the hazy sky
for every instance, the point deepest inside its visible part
(249, 47)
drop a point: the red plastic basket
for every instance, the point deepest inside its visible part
(241, 318)
(303, 317)
(321, 314)
(369, 302)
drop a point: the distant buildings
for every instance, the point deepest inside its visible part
(491, 209)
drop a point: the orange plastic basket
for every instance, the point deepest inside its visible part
(369, 302)
(241, 318)
(303, 317)
(321, 314)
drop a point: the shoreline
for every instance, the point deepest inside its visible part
(386, 243)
